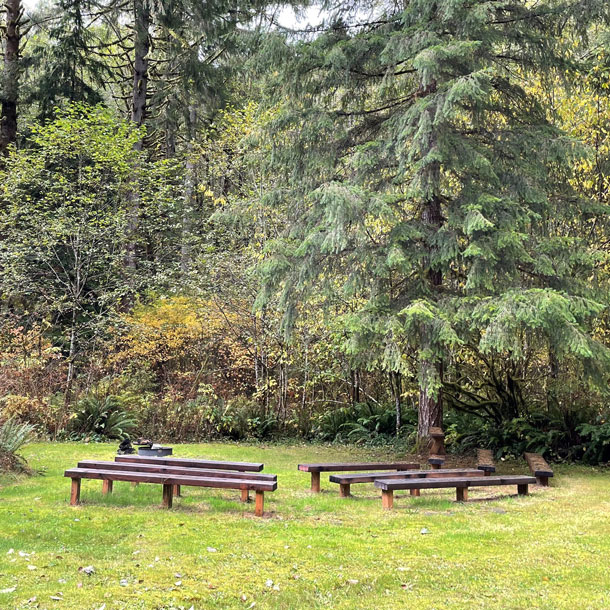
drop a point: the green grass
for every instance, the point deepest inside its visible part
(547, 550)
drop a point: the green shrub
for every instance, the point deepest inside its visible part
(595, 441)
(364, 423)
(13, 435)
(102, 418)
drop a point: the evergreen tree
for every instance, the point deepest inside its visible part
(427, 186)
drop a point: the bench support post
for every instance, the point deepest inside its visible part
(387, 498)
(435, 466)
(344, 490)
(414, 492)
(461, 494)
(75, 492)
(168, 495)
(260, 503)
(522, 490)
(107, 487)
(542, 481)
(315, 482)
(245, 495)
(176, 491)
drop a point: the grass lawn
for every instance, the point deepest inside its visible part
(548, 550)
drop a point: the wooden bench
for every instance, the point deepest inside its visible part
(180, 470)
(436, 458)
(485, 461)
(316, 469)
(461, 484)
(191, 463)
(539, 468)
(345, 480)
(169, 481)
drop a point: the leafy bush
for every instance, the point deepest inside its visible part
(102, 418)
(13, 435)
(595, 441)
(363, 423)
(555, 435)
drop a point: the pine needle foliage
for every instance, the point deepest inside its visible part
(430, 188)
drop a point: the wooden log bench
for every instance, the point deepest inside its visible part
(485, 461)
(179, 470)
(169, 481)
(316, 469)
(192, 463)
(436, 458)
(346, 480)
(539, 468)
(461, 485)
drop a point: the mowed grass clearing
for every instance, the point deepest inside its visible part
(547, 550)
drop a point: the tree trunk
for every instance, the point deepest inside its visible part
(189, 194)
(141, 10)
(430, 411)
(396, 385)
(9, 90)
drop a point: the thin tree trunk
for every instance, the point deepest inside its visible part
(9, 90)
(396, 385)
(430, 412)
(189, 194)
(138, 114)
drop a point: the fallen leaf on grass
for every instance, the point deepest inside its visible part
(9, 590)
(87, 570)
(211, 549)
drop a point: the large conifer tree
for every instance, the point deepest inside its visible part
(427, 185)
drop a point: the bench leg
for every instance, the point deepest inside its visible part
(315, 482)
(260, 503)
(461, 494)
(168, 496)
(344, 490)
(245, 495)
(387, 499)
(177, 492)
(522, 490)
(414, 492)
(134, 483)
(542, 481)
(435, 466)
(107, 487)
(75, 492)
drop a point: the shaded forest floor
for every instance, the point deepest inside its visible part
(547, 550)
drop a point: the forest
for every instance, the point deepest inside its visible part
(231, 220)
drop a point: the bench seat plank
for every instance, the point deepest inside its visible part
(170, 479)
(179, 470)
(485, 460)
(371, 477)
(429, 483)
(539, 468)
(191, 463)
(345, 467)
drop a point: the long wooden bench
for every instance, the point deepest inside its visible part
(346, 480)
(539, 468)
(316, 469)
(192, 463)
(461, 484)
(485, 461)
(169, 481)
(179, 470)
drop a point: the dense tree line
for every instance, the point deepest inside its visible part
(393, 220)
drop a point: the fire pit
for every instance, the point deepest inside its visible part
(155, 451)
